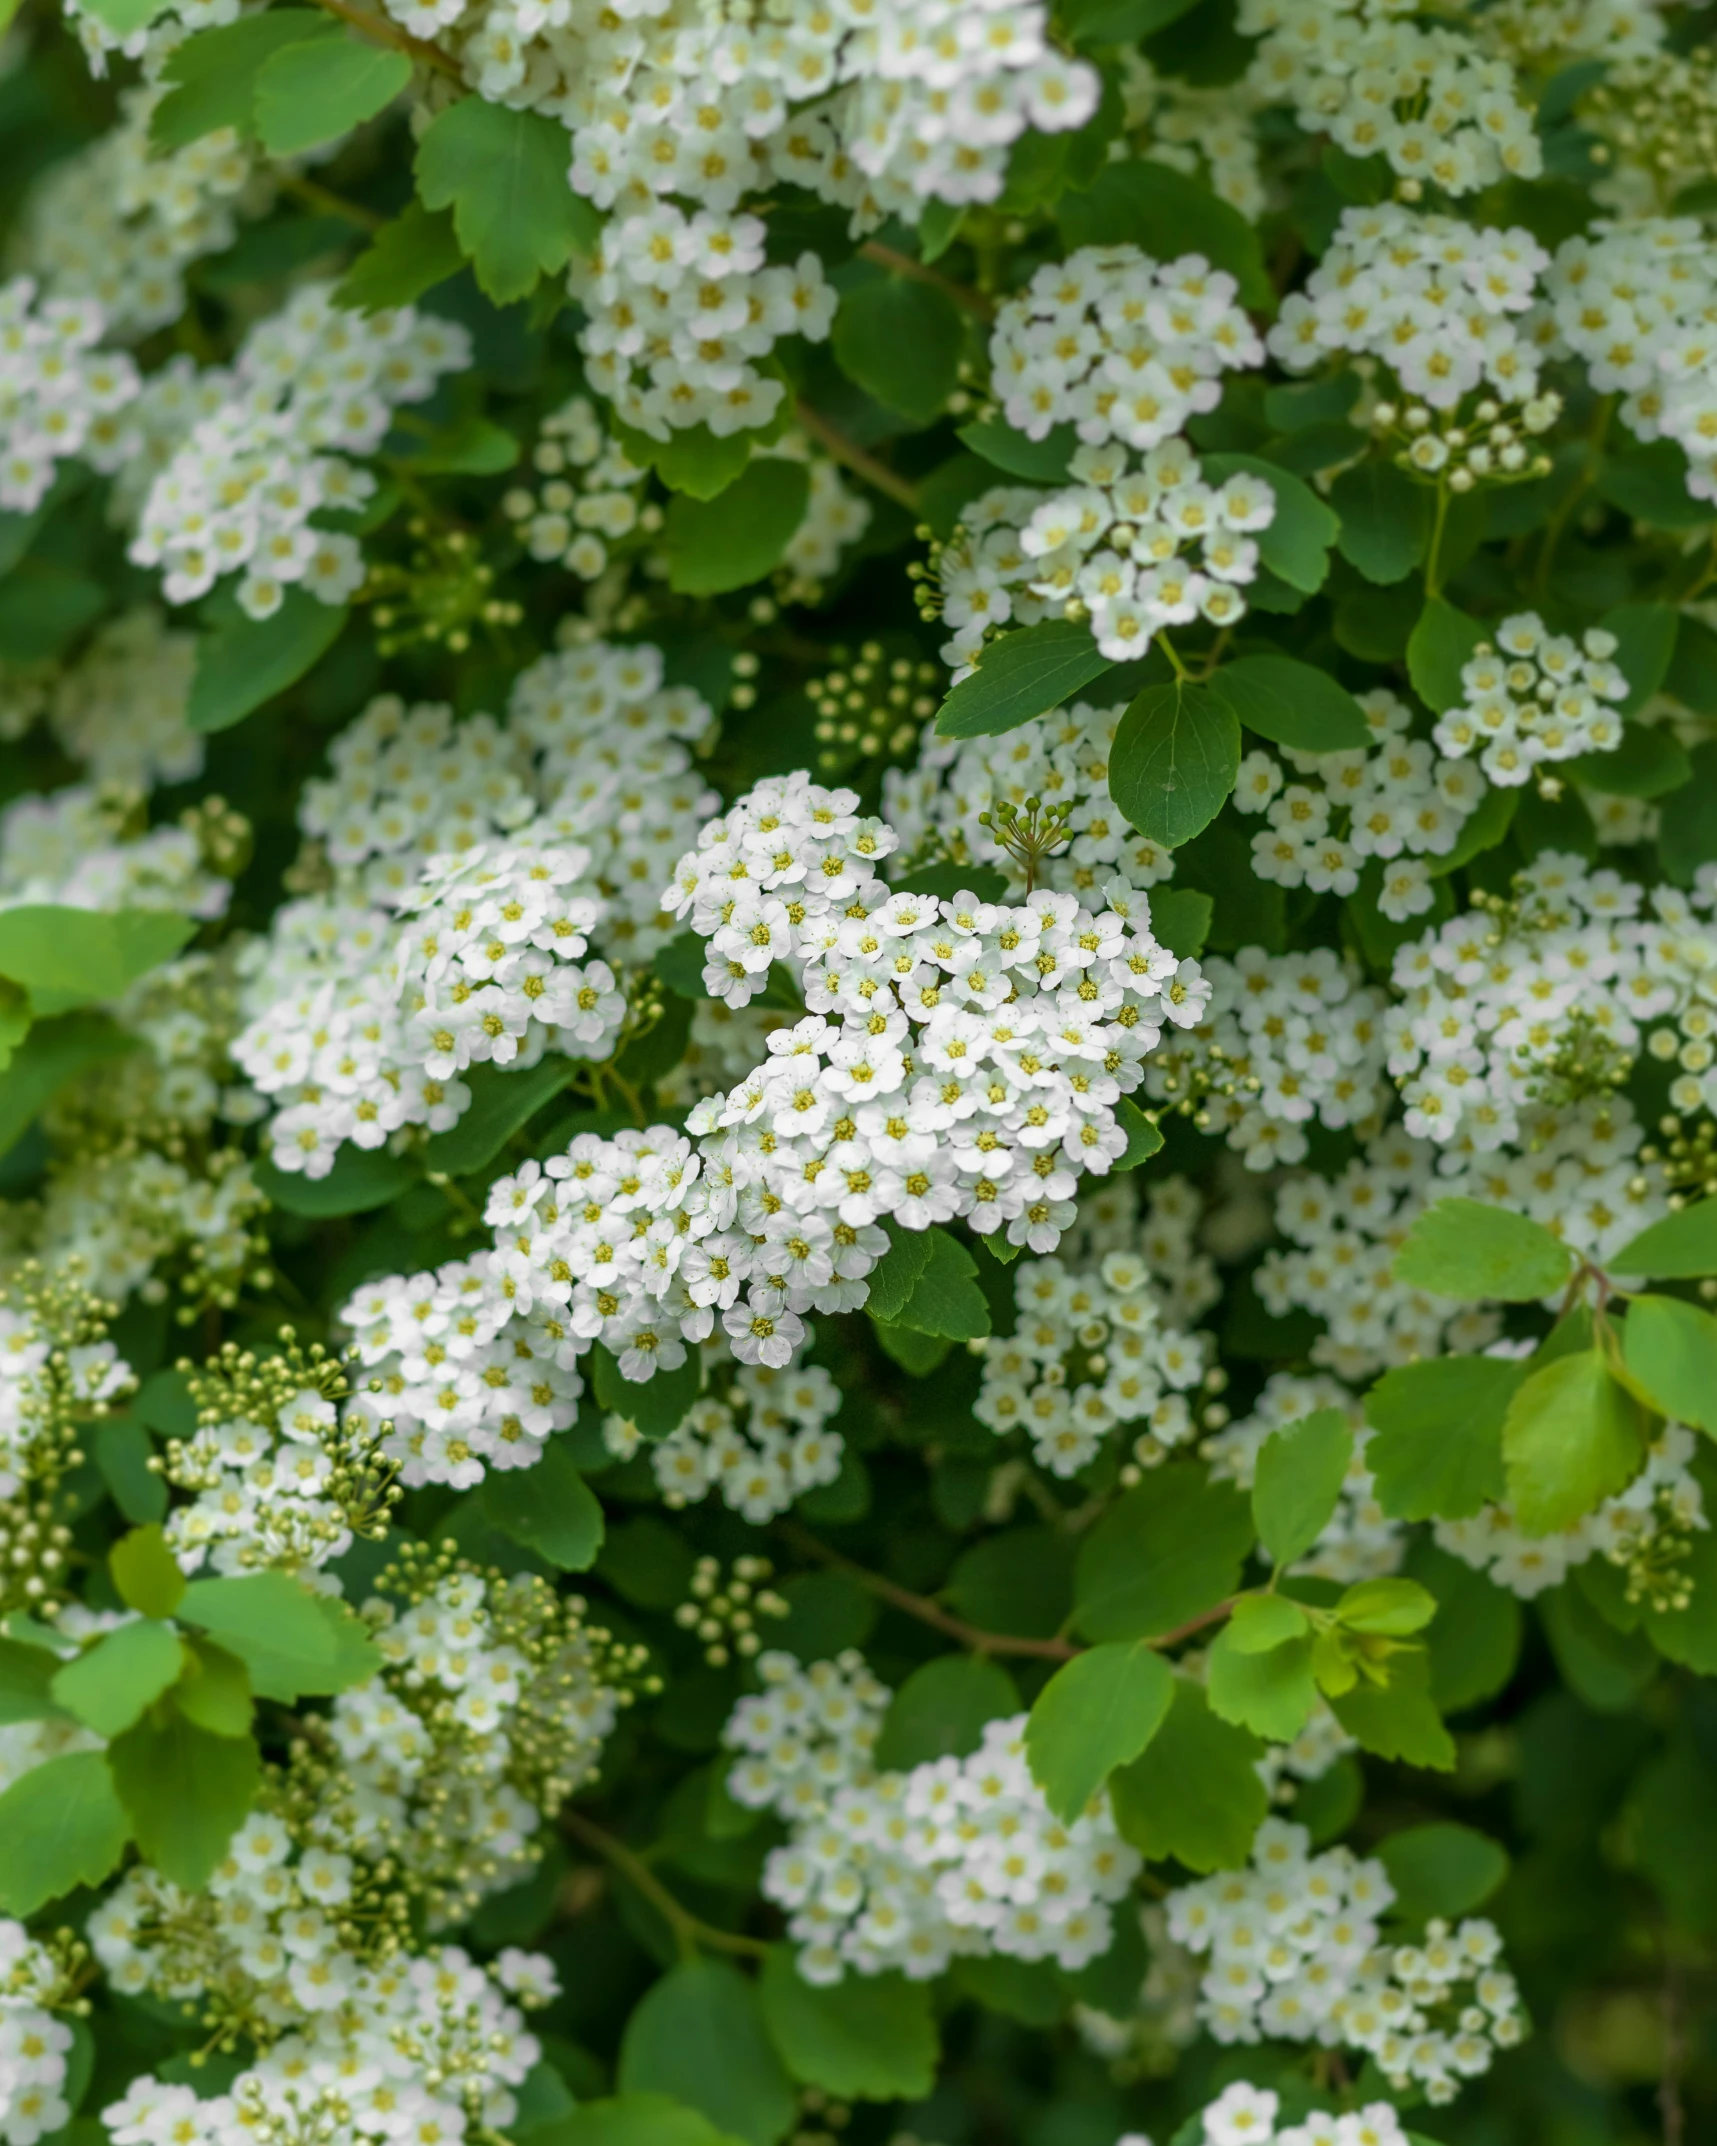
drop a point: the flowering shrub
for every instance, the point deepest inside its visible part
(858, 1073)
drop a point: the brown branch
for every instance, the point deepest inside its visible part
(902, 264)
(690, 1931)
(859, 460)
(930, 1612)
(380, 31)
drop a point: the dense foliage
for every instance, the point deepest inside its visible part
(858, 1073)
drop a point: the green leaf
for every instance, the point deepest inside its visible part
(549, 1507)
(1167, 213)
(1195, 1794)
(1671, 1349)
(698, 2035)
(1471, 1250)
(1646, 764)
(1174, 762)
(930, 1286)
(1296, 545)
(1097, 1712)
(214, 73)
(1293, 704)
(108, 1686)
(1181, 919)
(900, 341)
(1442, 1869)
(243, 662)
(501, 1102)
(739, 536)
(1399, 1721)
(214, 1692)
(146, 1572)
(1436, 1452)
(1650, 483)
(311, 93)
(504, 175)
(1474, 1640)
(1272, 1693)
(1301, 1469)
(1263, 1621)
(1438, 649)
(656, 1405)
(1093, 23)
(1020, 1581)
(53, 1053)
(1024, 674)
(1687, 819)
(1036, 461)
(941, 1709)
(122, 1453)
(44, 606)
(186, 1792)
(281, 1632)
(637, 2120)
(1606, 1669)
(67, 957)
(867, 2038)
(26, 1673)
(693, 458)
(1680, 1248)
(1571, 1438)
(407, 257)
(61, 1826)
(361, 1178)
(1645, 646)
(471, 447)
(1385, 520)
(1480, 831)
(1390, 1608)
(1144, 1138)
(1164, 1553)
(123, 17)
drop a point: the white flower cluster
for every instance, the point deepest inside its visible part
(312, 386)
(1547, 1000)
(1398, 802)
(120, 708)
(121, 220)
(42, 1380)
(467, 1381)
(1428, 100)
(1634, 303)
(75, 847)
(425, 2047)
(1245, 2115)
(1359, 1541)
(615, 750)
(1062, 759)
(1131, 549)
(1295, 1955)
(1664, 1499)
(1285, 1039)
(1442, 303)
(762, 1443)
(908, 1870)
(1209, 132)
(682, 314)
(35, 2047)
(589, 495)
(1119, 346)
(1532, 696)
(1094, 1348)
(55, 387)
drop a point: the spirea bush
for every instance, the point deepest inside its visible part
(858, 1073)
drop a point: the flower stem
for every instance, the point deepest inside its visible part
(858, 459)
(690, 1931)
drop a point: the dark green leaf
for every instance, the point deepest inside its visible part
(53, 1053)
(1180, 919)
(26, 1675)
(1166, 1552)
(1144, 1138)
(311, 93)
(1294, 705)
(548, 1507)
(1481, 830)
(1174, 761)
(44, 606)
(638, 2120)
(1385, 520)
(361, 1178)
(1650, 483)
(1400, 1722)
(656, 1405)
(1024, 674)
(214, 1692)
(501, 1102)
(900, 341)
(1645, 644)
(503, 172)
(122, 1453)
(1035, 461)
(941, 1295)
(407, 257)
(243, 662)
(941, 1709)
(867, 2038)
(1167, 213)
(1442, 1869)
(1195, 1794)
(186, 1792)
(1296, 545)
(1440, 647)
(698, 2035)
(739, 536)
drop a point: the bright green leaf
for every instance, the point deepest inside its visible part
(312, 93)
(1681, 1247)
(1272, 1694)
(1472, 1250)
(214, 1692)
(1670, 1348)
(1399, 1721)
(61, 1826)
(67, 957)
(1436, 1452)
(108, 1686)
(1263, 1621)
(1195, 1793)
(146, 1572)
(867, 2038)
(186, 1792)
(503, 172)
(281, 1632)
(213, 74)
(1301, 1469)
(407, 257)
(1571, 1438)
(1097, 1712)
(1390, 1608)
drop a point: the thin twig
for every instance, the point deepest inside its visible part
(690, 1931)
(902, 264)
(316, 196)
(380, 31)
(858, 459)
